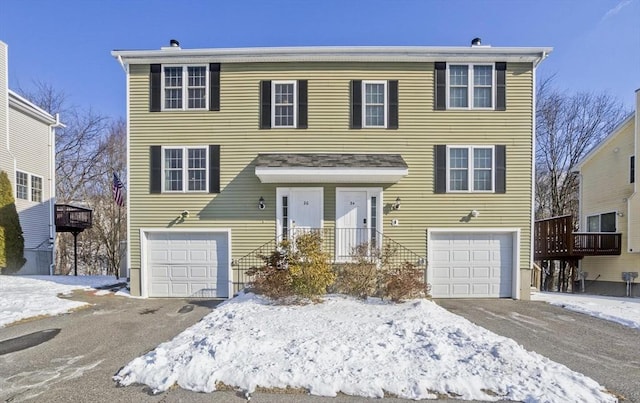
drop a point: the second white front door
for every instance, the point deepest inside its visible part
(299, 209)
(357, 219)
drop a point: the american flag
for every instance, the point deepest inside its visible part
(118, 187)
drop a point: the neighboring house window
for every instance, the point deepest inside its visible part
(185, 165)
(632, 169)
(22, 185)
(470, 168)
(374, 104)
(283, 103)
(182, 83)
(374, 94)
(602, 222)
(36, 188)
(470, 86)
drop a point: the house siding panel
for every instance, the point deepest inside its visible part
(6, 163)
(236, 128)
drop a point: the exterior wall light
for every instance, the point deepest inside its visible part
(396, 205)
(184, 214)
(474, 213)
(261, 204)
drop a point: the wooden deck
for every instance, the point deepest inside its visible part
(71, 218)
(554, 239)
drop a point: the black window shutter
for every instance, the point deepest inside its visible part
(214, 86)
(392, 117)
(302, 104)
(440, 102)
(214, 168)
(155, 181)
(501, 169)
(501, 86)
(356, 104)
(155, 93)
(632, 169)
(265, 104)
(440, 165)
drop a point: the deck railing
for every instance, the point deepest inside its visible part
(554, 239)
(71, 218)
(340, 243)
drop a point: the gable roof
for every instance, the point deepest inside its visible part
(604, 141)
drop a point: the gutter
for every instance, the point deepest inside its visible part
(52, 190)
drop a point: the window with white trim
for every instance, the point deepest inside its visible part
(470, 168)
(36, 188)
(605, 222)
(374, 105)
(283, 103)
(185, 165)
(22, 185)
(471, 86)
(180, 83)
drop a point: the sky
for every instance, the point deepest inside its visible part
(67, 43)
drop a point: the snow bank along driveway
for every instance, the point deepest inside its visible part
(413, 350)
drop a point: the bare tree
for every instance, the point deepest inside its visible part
(567, 127)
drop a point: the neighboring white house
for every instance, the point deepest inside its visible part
(610, 202)
(27, 154)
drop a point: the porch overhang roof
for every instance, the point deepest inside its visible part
(330, 168)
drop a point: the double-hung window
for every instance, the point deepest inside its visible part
(36, 188)
(471, 86)
(602, 222)
(470, 168)
(184, 87)
(374, 94)
(22, 185)
(284, 103)
(185, 169)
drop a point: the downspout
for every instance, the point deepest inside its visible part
(52, 191)
(126, 68)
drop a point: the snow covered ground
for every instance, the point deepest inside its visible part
(625, 311)
(23, 297)
(414, 350)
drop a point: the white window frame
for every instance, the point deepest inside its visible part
(385, 106)
(27, 192)
(185, 87)
(295, 104)
(599, 215)
(31, 177)
(471, 85)
(185, 169)
(471, 169)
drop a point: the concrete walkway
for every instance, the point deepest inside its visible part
(604, 351)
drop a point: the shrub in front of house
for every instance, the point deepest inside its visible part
(404, 281)
(11, 239)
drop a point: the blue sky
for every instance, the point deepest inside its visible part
(67, 43)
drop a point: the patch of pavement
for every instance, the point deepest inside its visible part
(27, 341)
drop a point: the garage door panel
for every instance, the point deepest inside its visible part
(471, 264)
(184, 264)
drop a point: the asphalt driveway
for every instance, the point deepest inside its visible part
(602, 350)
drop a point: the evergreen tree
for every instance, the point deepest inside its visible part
(11, 239)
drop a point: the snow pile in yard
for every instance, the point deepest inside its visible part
(413, 350)
(625, 311)
(23, 297)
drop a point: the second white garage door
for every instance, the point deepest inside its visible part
(187, 264)
(471, 265)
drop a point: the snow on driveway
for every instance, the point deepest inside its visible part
(23, 297)
(625, 311)
(413, 350)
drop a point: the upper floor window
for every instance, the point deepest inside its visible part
(602, 222)
(28, 187)
(471, 86)
(470, 169)
(184, 87)
(374, 94)
(185, 169)
(22, 185)
(283, 103)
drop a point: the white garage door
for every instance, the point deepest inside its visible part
(188, 264)
(471, 265)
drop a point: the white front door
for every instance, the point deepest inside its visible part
(357, 219)
(298, 209)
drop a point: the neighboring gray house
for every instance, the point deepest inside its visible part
(27, 154)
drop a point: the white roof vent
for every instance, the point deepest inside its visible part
(173, 45)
